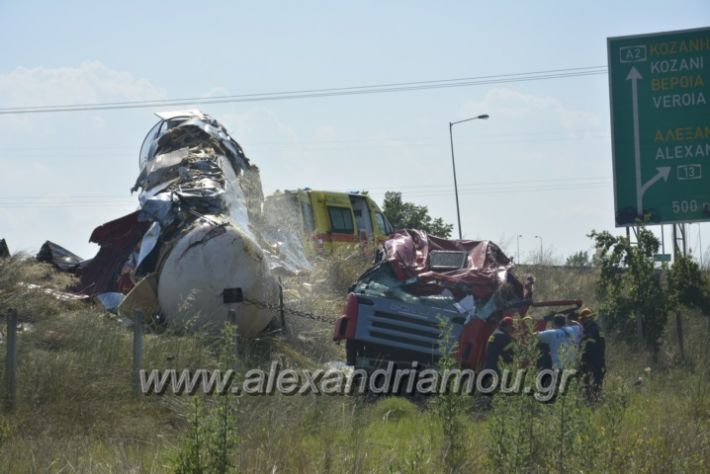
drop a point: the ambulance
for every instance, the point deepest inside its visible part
(329, 219)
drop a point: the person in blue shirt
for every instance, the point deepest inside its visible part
(563, 340)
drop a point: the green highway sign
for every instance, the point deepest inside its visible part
(662, 257)
(660, 122)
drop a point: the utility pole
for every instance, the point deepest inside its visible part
(453, 164)
(517, 258)
(541, 248)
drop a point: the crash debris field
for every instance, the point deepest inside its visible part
(206, 276)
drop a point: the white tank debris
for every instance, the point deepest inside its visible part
(198, 245)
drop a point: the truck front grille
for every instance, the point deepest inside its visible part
(411, 331)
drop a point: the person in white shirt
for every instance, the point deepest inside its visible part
(563, 340)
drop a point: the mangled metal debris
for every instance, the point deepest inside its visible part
(4, 251)
(58, 256)
(395, 309)
(56, 294)
(473, 277)
(198, 236)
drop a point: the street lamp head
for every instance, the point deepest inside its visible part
(477, 117)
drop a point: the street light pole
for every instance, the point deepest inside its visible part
(700, 245)
(518, 241)
(541, 254)
(453, 164)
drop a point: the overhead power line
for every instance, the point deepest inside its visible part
(354, 144)
(424, 190)
(128, 203)
(435, 140)
(303, 147)
(545, 182)
(315, 93)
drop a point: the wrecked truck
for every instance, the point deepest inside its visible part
(423, 289)
(198, 245)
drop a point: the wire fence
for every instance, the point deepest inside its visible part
(10, 379)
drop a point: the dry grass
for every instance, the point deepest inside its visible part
(76, 412)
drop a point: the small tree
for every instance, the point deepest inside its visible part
(579, 259)
(407, 215)
(449, 405)
(633, 300)
(688, 287)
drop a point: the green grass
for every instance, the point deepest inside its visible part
(76, 412)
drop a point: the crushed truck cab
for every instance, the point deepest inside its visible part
(424, 289)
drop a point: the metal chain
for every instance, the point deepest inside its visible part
(293, 312)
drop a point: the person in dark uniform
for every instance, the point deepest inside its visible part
(593, 360)
(500, 347)
(544, 359)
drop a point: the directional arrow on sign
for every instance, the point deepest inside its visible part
(634, 76)
(663, 173)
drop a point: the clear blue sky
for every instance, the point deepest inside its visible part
(63, 174)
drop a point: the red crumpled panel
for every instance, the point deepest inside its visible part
(486, 268)
(117, 239)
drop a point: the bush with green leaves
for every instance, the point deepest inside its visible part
(407, 215)
(688, 285)
(632, 297)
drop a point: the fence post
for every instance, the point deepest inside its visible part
(679, 330)
(137, 349)
(11, 360)
(232, 316)
(281, 306)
